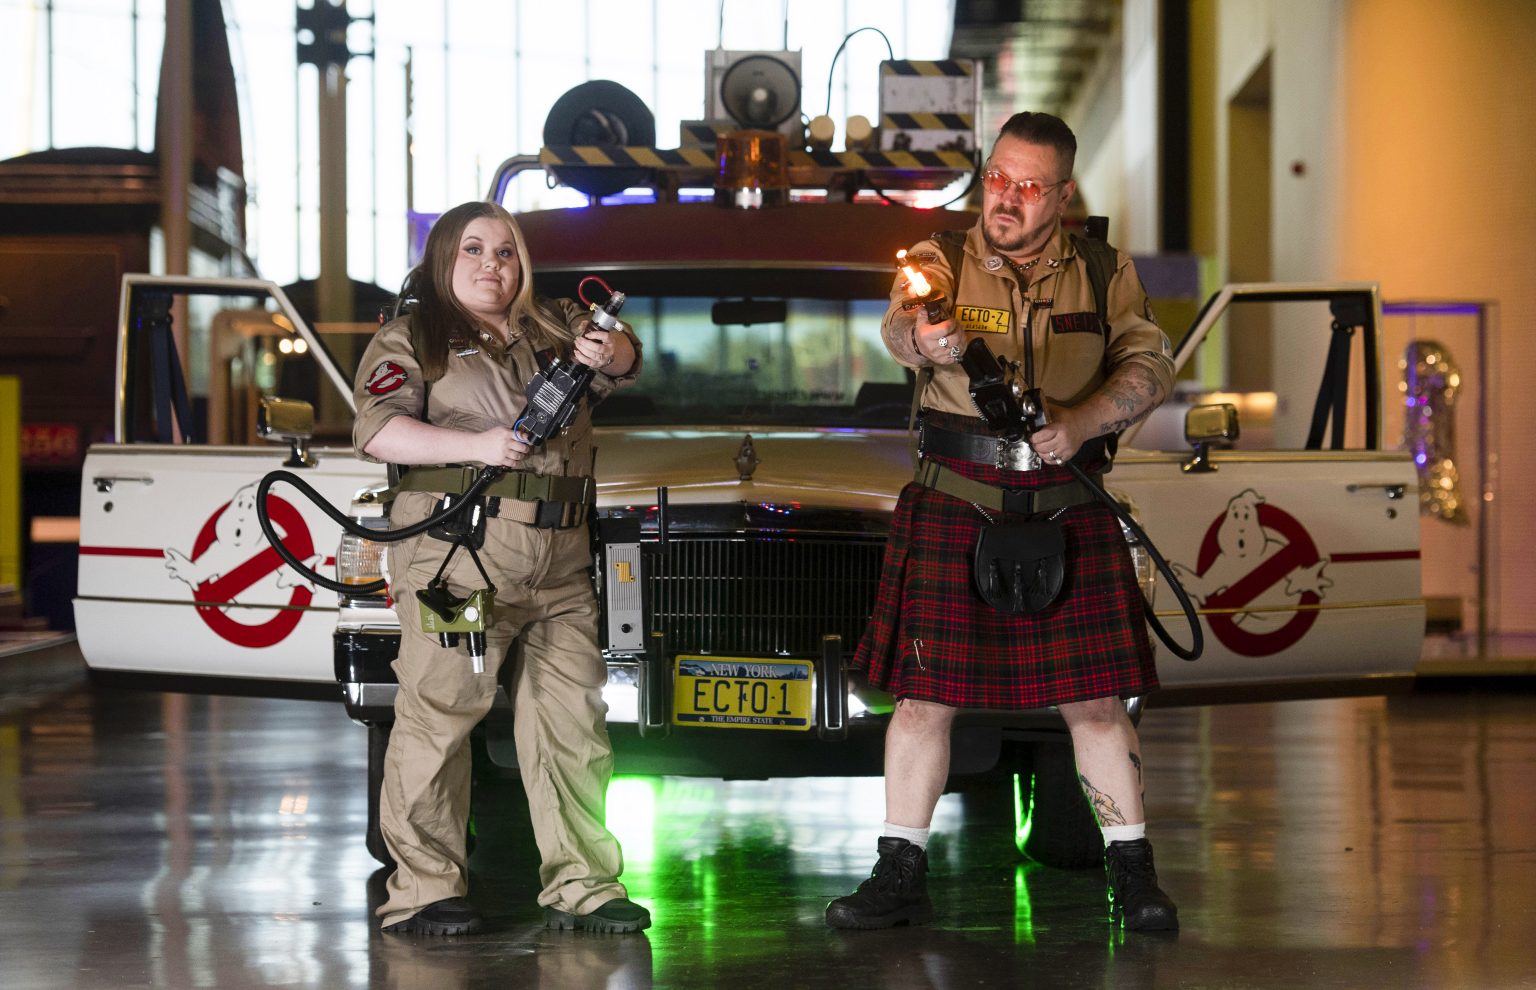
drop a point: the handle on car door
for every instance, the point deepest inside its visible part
(104, 482)
(1394, 490)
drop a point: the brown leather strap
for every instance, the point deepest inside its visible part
(1022, 500)
(522, 486)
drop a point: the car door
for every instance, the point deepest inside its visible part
(176, 576)
(1298, 543)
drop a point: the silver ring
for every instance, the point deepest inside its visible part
(954, 352)
(943, 340)
(1054, 458)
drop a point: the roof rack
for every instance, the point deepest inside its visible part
(666, 170)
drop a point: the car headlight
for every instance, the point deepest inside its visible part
(360, 561)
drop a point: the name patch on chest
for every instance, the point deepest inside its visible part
(980, 319)
(1076, 323)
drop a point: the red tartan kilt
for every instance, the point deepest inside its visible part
(932, 638)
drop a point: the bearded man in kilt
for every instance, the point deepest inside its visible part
(1102, 365)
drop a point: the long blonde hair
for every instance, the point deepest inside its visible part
(441, 323)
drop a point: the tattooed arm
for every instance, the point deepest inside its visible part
(1126, 398)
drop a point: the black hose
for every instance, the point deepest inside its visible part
(487, 476)
(1197, 645)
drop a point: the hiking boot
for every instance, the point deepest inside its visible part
(1134, 895)
(452, 916)
(617, 916)
(896, 891)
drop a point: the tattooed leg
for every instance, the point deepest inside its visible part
(1102, 736)
(1104, 807)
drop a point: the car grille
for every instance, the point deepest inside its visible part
(761, 596)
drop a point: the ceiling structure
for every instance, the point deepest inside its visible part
(1036, 54)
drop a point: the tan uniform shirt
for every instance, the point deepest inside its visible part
(483, 388)
(1073, 354)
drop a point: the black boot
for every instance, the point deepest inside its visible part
(451, 916)
(1134, 895)
(896, 891)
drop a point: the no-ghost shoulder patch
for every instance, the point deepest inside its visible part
(387, 377)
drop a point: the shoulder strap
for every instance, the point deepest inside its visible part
(417, 335)
(1100, 257)
(952, 243)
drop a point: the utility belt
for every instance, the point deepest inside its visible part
(997, 452)
(1016, 567)
(978, 448)
(1028, 501)
(546, 501)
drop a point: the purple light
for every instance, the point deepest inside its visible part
(1430, 309)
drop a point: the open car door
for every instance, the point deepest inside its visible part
(1297, 536)
(176, 576)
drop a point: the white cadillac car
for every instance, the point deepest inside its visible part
(745, 487)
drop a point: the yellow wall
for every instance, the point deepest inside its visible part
(1402, 137)
(1438, 201)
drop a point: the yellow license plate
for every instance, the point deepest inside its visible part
(741, 693)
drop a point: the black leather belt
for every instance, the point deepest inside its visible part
(977, 448)
(1016, 455)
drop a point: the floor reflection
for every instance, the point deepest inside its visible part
(176, 841)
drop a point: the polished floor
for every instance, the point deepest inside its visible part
(153, 840)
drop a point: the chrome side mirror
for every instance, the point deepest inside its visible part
(1208, 427)
(290, 421)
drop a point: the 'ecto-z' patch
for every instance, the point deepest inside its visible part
(980, 319)
(387, 377)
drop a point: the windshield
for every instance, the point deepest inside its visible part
(814, 362)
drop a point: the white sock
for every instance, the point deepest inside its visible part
(917, 836)
(1123, 833)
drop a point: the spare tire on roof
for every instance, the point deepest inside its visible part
(604, 114)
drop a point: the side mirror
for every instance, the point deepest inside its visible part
(1207, 427)
(290, 421)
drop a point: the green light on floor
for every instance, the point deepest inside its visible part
(632, 817)
(706, 881)
(1023, 905)
(1023, 818)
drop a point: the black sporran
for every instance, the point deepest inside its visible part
(1020, 567)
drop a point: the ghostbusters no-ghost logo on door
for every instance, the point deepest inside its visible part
(231, 559)
(1255, 557)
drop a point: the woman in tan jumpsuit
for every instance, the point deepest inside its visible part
(448, 394)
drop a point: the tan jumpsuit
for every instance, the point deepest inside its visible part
(545, 623)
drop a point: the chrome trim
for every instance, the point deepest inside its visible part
(1393, 490)
(104, 482)
(1215, 308)
(724, 520)
(192, 285)
(705, 264)
(1301, 607)
(194, 603)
